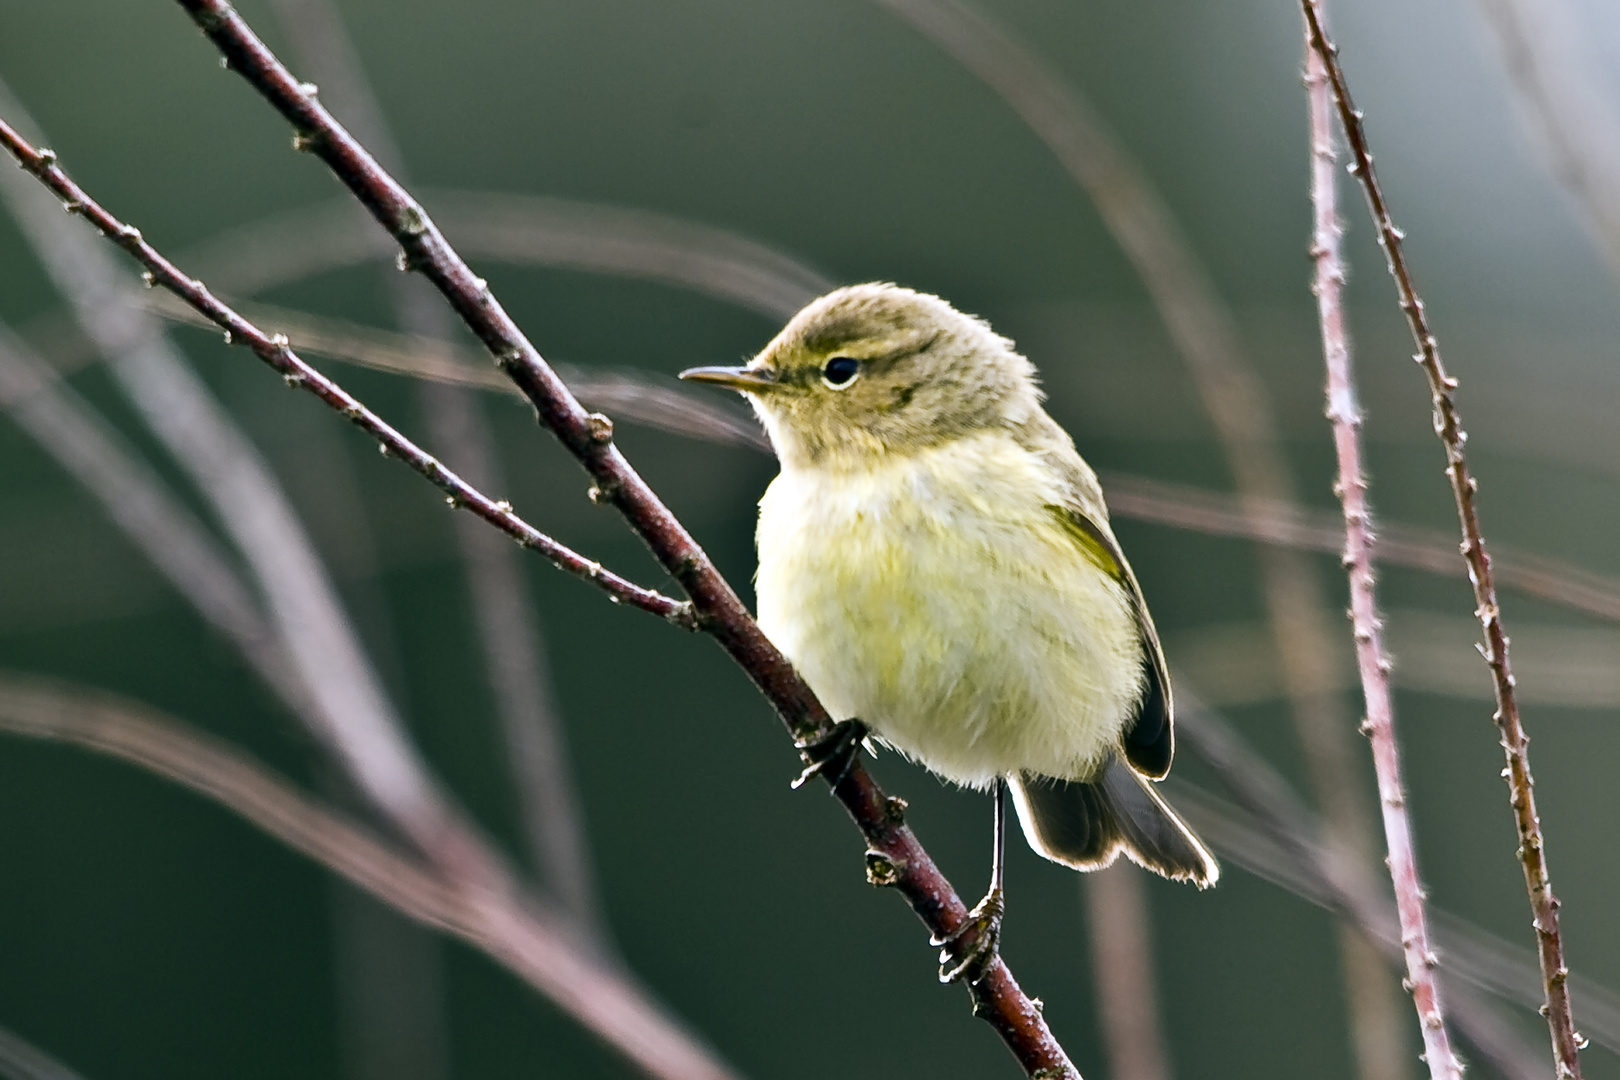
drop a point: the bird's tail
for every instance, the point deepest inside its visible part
(1086, 824)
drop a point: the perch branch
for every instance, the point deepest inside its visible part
(894, 856)
(1448, 426)
(490, 915)
(1344, 413)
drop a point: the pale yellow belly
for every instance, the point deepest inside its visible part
(940, 601)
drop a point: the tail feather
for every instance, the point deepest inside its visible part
(1087, 824)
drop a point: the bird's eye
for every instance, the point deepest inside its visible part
(840, 371)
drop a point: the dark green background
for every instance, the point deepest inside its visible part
(144, 933)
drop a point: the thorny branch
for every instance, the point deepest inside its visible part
(1566, 1041)
(1351, 486)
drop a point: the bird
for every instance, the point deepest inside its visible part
(935, 560)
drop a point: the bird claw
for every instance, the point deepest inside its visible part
(982, 929)
(833, 753)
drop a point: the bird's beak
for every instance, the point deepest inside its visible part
(749, 380)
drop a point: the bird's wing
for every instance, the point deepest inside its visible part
(1150, 739)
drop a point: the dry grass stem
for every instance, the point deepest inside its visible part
(1566, 1041)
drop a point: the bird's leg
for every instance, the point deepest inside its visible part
(833, 753)
(982, 928)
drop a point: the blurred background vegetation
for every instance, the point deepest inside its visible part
(146, 933)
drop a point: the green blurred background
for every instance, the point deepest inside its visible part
(145, 933)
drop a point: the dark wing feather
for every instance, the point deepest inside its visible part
(1150, 741)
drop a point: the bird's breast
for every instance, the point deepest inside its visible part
(938, 597)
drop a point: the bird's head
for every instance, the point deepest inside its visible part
(878, 369)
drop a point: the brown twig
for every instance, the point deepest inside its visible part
(490, 915)
(1448, 426)
(1351, 487)
(366, 735)
(894, 856)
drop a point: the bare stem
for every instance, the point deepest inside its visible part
(1566, 1040)
(1351, 487)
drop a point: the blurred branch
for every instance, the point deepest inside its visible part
(1280, 840)
(1239, 836)
(668, 406)
(631, 395)
(1275, 836)
(524, 230)
(1122, 961)
(20, 1060)
(894, 856)
(348, 712)
(1292, 525)
(141, 504)
(1240, 408)
(508, 625)
(488, 914)
(1448, 426)
(1570, 115)
(1344, 414)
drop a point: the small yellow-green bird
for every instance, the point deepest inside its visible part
(935, 559)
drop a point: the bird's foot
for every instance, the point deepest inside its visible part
(969, 951)
(833, 753)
